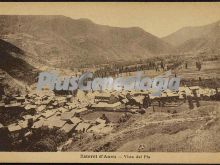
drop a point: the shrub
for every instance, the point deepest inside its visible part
(44, 145)
(46, 139)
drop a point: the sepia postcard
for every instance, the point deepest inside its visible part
(116, 82)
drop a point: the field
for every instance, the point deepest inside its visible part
(187, 130)
(164, 129)
(112, 116)
(71, 118)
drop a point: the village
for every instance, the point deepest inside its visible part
(22, 115)
(73, 115)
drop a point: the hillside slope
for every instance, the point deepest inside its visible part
(64, 42)
(186, 130)
(12, 63)
(202, 38)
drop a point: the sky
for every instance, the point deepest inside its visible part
(159, 18)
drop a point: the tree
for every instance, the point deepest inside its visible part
(2, 92)
(46, 139)
(186, 65)
(5, 140)
(198, 65)
(45, 145)
(191, 106)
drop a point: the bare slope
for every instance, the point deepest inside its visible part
(12, 63)
(186, 130)
(66, 42)
(201, 38)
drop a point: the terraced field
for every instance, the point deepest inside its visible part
(187, 130)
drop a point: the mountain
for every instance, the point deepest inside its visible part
(64, 42)
(201, 38)
(12, 63)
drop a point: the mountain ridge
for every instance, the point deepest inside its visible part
(80, 40)
(196, 39)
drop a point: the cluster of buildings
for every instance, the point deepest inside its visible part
(64, 112)
(43, 108)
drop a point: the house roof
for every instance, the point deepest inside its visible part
(96, 128)
(38, 124)
(2, 104)
(125, 100)
(69, 96)
(41, 108)
(67, 115)
(20, 98)
(172, 94)
(14, 127)
(13, 105)
(23, 124)
(163, 94)
(71, 105)
(75, 120)
(26, 117)
(48, 113)
(82, 126)
(103, 95)
(188, 91)
(194, 87)
(138, 99)
(100, 121)
(61, 98)
(101, 128)
(182, 88)
(54, 122)
(28, 107)
(36, 117)
(80, 95)
(153, 97)
(62, 109)
(68, 127)
(81, 110)
(107, 129)
(106, 105)
(46, 102)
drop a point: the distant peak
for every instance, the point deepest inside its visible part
(218, 23)
(137, 28)
(85, 20)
